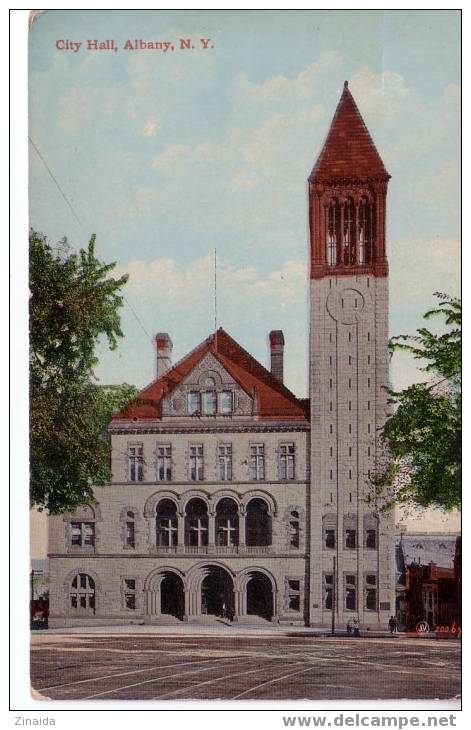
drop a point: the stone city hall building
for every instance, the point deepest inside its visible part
(230, 496)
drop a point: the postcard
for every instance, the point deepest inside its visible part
(245, 333)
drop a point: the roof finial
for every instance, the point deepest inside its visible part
(345, 84)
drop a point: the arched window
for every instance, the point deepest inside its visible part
(166, 523)
(82, 594)
(258, 523)
(196, 523)
(227, 523)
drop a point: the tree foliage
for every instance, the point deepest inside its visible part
(73, 302)
(423, 436)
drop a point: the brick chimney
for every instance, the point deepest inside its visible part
(163, 346)
(277, 345)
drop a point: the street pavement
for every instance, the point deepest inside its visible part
(219, 664)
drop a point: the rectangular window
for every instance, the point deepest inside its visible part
(130, 535)
(370, 538)
(294, 595)
(350, 538)
(224, 466)
(209, 402)
(330, 538)
(328, 590)
(164, 463)
(257, 462)
(130, 593)
(286, 465)
(350, 593)
(370, 593)
(196, 463)
(76, 533)
(194, 404)
(135, 463)
(294, 529)
(82, 534)
(225, 402)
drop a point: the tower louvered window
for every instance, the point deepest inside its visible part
(348, 232)
(366, 216)
(333, 229)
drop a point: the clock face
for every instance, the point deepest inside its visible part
(346, 305)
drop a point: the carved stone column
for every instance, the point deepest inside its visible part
(242, 516)
(212, 530)
(181, 531)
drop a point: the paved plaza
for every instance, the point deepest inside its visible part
(255, 665)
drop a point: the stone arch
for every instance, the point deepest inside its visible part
(243, 576)
(153, 579)
(85, 512)
(214, 375)
(211, 590)
(202, 494)
(256, 593)
(195, 575)
(164, 592)
(260, 494)
(151, 503)
(225, 494)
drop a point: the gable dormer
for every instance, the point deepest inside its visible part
(208, 391)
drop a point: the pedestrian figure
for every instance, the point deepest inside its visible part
(356, 627)
(349, 627)
(392, 625)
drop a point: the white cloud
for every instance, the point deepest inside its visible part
(151, 127)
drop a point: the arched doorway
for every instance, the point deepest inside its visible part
(217, 593)
(172, 600)
(259, 596)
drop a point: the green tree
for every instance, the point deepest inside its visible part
(73, 302)
(423, 436)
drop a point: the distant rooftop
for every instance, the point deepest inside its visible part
(424, 549)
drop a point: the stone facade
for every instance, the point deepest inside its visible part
(232, 498)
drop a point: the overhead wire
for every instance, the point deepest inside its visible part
(72, 210)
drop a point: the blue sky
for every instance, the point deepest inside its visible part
(167, 156)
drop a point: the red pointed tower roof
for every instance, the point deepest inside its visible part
(348, 152)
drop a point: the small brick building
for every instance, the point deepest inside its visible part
(231, 498)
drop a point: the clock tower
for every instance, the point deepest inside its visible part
(351, 558)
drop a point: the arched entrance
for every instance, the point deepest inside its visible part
(217, 593)
(172, 600)
(259, 596)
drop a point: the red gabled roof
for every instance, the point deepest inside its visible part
(349, 151)
(274, 400)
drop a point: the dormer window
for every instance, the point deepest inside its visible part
(209, 402)
(225, 402)
(194, 402)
